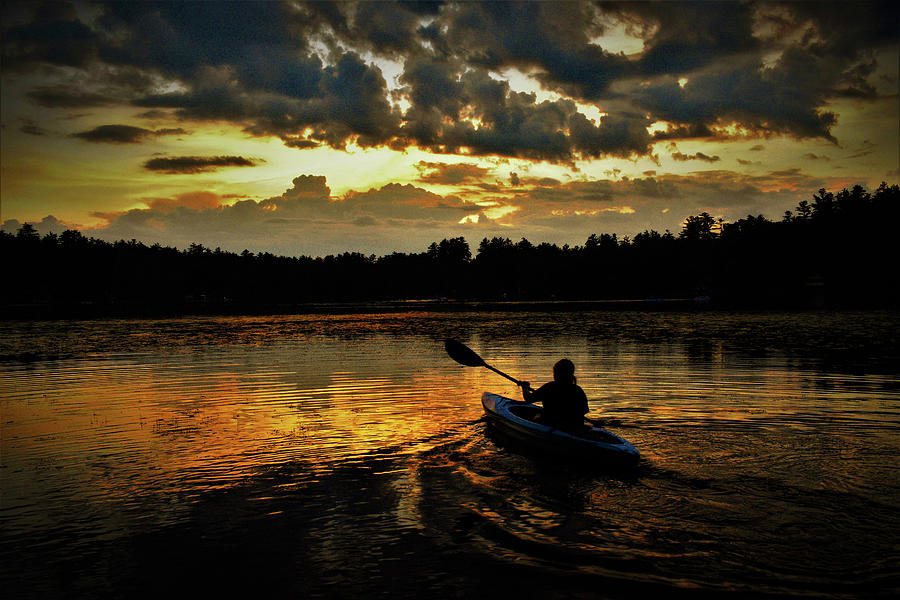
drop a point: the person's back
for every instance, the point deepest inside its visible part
(565, 403)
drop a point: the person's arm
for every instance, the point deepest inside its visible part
(527, 392)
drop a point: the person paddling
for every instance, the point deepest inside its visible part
(565, 403)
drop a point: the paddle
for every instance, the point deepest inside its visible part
(466, 356)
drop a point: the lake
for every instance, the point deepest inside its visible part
(347, 456)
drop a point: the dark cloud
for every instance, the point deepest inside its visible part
(196, 164)
(180, 39)
(692, 35)
(822, 51)
(551, 38)
(48, 32)
(298, 142)
(155, 114)
(685, 132)
(30, 127)
(172, 131)
(698, 156)
(114, 134)
(123, 134)
(387, 27)
(449, 174)
(303, 71)
(509, 123)
(61, 96)
(349, 101)
(782, 100)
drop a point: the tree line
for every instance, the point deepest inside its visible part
(838, 250)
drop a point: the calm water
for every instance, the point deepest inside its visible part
(346, 456)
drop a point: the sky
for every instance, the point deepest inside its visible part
(313, 128)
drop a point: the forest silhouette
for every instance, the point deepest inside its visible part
(837, 251)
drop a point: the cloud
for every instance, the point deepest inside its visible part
(473, 111)
(449, 174)
(52, 33)
(811, 156)
(310, 73)
(866, 148)
(48, 224)
(340, 103)
(305, 219)
(308, 219)
(698, 156)
(61, 96)
(30, 127)
(123, 134)
(196, 164)
(685, 132)
(193, 200)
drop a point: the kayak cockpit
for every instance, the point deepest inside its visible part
(532, 413)
(529, 412)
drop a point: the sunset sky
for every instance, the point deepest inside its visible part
(314, 128)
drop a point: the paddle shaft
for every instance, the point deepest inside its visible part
(499, 372)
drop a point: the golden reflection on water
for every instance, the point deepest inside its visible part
(131, 426)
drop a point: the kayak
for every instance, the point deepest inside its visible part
(516, 420)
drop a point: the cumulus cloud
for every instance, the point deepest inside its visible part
(446, 78)
(308, 219)
(194, 200)
(48, 224)
(305, 219)
(196, 164)
(305, 72)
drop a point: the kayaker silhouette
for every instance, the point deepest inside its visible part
(565, 403)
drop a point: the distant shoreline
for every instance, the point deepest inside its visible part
(37, 312)
(832, 254)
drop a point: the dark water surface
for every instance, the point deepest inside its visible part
(346, 456)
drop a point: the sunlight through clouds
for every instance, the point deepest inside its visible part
(436, 120)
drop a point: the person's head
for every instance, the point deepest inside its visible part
(564, 371)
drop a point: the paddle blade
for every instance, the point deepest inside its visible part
(462, 354)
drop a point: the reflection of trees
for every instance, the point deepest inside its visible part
(833, 249)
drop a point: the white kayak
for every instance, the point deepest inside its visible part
(520, 421)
